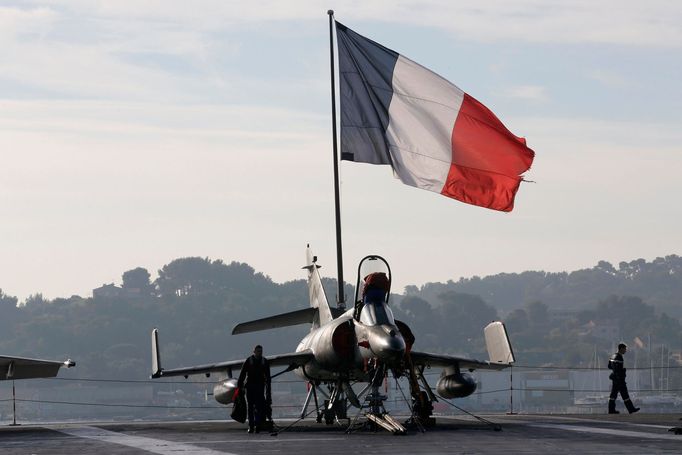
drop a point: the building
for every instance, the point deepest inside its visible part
(107, 291)
(601, 331)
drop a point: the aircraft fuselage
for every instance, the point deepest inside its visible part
(343, 347)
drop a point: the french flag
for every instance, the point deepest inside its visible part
(434, 136)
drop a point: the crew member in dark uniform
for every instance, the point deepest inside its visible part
(618, 384)
(256, 373)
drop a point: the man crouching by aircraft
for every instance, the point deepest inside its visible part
(256, 372)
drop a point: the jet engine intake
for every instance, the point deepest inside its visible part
(224, 391)
(455, 384)
(336, 344)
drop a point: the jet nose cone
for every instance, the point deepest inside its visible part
(388, 344)
(396, 346)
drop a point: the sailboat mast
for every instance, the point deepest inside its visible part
(340, 298)
(651, 365)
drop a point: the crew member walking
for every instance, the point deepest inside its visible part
(618, 384)
(256, 373)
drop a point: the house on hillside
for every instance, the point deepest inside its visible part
(606, 331)
(107, 290)
(113, 291)
(562, 315)
(676, 357)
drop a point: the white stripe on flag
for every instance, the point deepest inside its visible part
(422, 115)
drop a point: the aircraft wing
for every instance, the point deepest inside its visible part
(443, 360)
(498, 346)
(304, 316)
(26, 368)
(291, 360)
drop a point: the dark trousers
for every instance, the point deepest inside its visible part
(255, 399)
(619, 386)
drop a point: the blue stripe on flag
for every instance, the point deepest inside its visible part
(365, 84)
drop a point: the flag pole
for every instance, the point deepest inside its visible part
(341, 299)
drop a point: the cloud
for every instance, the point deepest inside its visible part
(123, 182)
(578, 132)
(25, 22)
(624, 22)
(72, 144)
(608, 78)
(112, 51)
(142, 183)
(535, 93)
(654, 23)
(153, 49)
(140, 131)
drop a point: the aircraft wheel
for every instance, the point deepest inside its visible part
(328, 417)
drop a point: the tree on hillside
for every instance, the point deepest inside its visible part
(419, 316)
(517, 321)
(417, 309)
(137, 278)
(463, 315)
(537, 313)
(606, 267)
(630, 312)
(35, 300)
(658, 282)
(194, 276)
(668, 329)
(7, 301)
(184, 276)
(239, 277)
(8, 310)
(632, 268)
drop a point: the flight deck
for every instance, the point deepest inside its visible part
(556, 434)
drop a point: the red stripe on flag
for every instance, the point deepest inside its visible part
(482, 188)
(487, 159)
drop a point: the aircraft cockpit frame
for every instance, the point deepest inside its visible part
(373, 285)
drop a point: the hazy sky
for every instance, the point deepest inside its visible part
(136, 132)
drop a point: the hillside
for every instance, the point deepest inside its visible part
(195, 302)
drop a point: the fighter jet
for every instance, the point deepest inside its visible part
(25, 368)
(359, 345)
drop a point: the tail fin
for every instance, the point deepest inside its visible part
(318, 299)
(156, 361)
(497, 343)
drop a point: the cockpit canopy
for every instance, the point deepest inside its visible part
(373, 272)
(376, 313)
(372, 292)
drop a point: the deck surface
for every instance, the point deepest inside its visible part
(554, 434)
